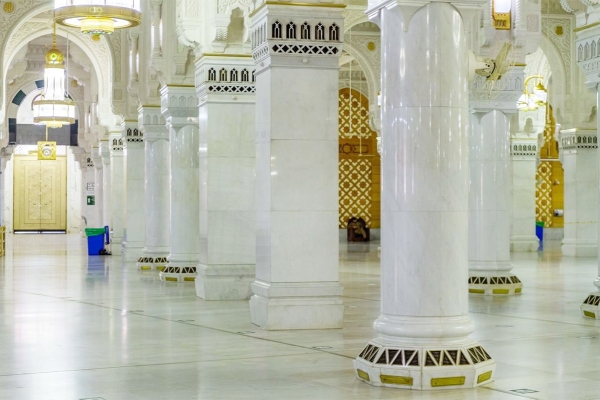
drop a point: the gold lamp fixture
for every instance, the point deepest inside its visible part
(531, 101)
(53, 108)
(501, 14)
(98, 17)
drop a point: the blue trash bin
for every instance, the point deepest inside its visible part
(95, 237)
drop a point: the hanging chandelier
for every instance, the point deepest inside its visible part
(53, 108)
(98, 17)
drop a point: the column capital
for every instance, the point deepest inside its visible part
(152, 123)
(225, 79)
(307, 35)
(132, 135)
(406, 9)
(96, 157)
(501, 95)
(178, 105)
(576, 140)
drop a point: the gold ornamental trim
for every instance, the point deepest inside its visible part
(484, 377)
(396, 380)
(583, 28)
(217, 55)
(450, 381)
(62, 14)
(295, 4)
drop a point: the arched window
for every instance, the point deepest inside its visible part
(319, 32)
(276, 30)
(291, 31)
(223, 75)
(305, 31)
(245, 75)
(233, 75)
(212, 74)
(334, 33)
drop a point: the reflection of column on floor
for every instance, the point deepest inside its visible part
(157, 189)
(98, 187)
(133, 187)
(297, 284)
(179, 107)
(423, 330)
(227, 160)
(489, 202)
(579, 155)
(116, 188)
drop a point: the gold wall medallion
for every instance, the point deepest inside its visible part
(46, 151)
(9, 7)
(371, 46)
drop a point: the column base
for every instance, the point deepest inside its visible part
(494, 285)
(591, 306)
(524, 244)
(420, 367)
(156, 263)
(224, 282)
(132, 251)
(279, 306)
(178, 273)
(574, 248)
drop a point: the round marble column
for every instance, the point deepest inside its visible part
(423, 331)
(183, 257)
(157, 189)
(591, 305)
(489, 205)
(179, 106)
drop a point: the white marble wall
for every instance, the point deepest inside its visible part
(580, 164)
(489, 193)
(134, 197)
(74, 206)
(98, 187)
(227, 159)
(88, 175)
(296, 182)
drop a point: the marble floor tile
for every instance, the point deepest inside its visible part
(77, 327)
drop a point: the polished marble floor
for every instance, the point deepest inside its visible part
(77, 327)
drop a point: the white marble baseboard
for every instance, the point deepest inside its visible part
(224, 282)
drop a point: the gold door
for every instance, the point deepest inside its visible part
(40, 194)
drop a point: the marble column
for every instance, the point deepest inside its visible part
(157, 188)
(524, 151)
(106, 189)
(134, 199)
(227, 157)
(423, 331)
(297, 283)
(179, 106)
(579, 156)
(117, 197)
(98, 187)
(489, 205)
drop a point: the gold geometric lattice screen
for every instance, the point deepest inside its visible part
(355, 190)
(354, 115)
(543, 195)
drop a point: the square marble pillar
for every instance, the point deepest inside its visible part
(579, 155)
(134, 200)
(117, 203)
(98, 188)
(88, 193)
(227, 157)
(106, 189)
(296, 284)
(524, 167)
